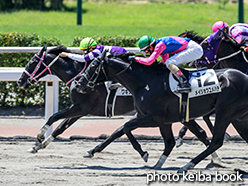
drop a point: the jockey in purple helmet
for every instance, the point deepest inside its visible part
(184, 50)
(91, 50)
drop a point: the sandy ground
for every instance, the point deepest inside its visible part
(62, 163)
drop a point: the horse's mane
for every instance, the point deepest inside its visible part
(191, 34)
(57, 50)
(122, 55)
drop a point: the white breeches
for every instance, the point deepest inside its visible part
(191, 53)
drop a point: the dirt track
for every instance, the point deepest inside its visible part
(62, 163)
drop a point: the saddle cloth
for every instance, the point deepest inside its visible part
(114, 90)
(203, 82)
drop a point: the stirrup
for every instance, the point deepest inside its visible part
(183, 89)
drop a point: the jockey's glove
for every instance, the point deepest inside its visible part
(244, 48)
(132, 58)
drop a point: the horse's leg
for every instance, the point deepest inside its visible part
(144, 121)
(242, 129)
(207, 120)
(182, 133)
(202, 136)
(198, 131)
(117, 134)
(221, 124)
(169, 143)
(73, 111)
(66, 123)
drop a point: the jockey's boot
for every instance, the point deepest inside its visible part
(183, 86)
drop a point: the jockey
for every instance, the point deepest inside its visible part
(91, 50)
(238, 31)
(185, 51)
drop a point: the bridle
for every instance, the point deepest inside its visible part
(91, 82)
(219, 60)
(230, 38)
(33, 76)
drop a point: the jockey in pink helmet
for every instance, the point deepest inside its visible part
(238, 31)
(220, 25)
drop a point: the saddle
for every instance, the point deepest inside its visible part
(113, 91)
(203, 82)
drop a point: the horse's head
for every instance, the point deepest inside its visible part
(35, 69)
(96, 71)
(221, 51)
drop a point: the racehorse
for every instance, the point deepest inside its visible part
(226, 53)
(97, 101)
(91, 102)
(156, 105)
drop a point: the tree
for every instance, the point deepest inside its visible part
(31, 4)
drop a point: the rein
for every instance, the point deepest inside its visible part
(91, 83)
(72, 79)
(217, 61)
(227, 57)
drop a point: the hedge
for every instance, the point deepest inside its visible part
(11, 95)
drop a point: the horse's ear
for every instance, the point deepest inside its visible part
(42, 50)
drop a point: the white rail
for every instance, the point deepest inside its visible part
(37, 49)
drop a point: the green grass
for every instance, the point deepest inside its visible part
(156, 20)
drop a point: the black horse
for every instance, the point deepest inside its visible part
(119, 132)
(93, 102)
(228, 54)
(158, 106)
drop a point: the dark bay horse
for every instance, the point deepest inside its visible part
(158, 106)
(93, 102)
(227, 55)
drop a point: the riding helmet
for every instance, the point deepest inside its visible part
(87, 43)
(219, 25)
(145, 41)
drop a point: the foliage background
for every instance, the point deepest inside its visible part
(113, 18)
(11, 95)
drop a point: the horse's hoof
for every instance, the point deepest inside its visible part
(216, 162)
(185, 168)
(160, 162)
(88, 155)
(179, 142)
(145, 156)
(32, 150)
